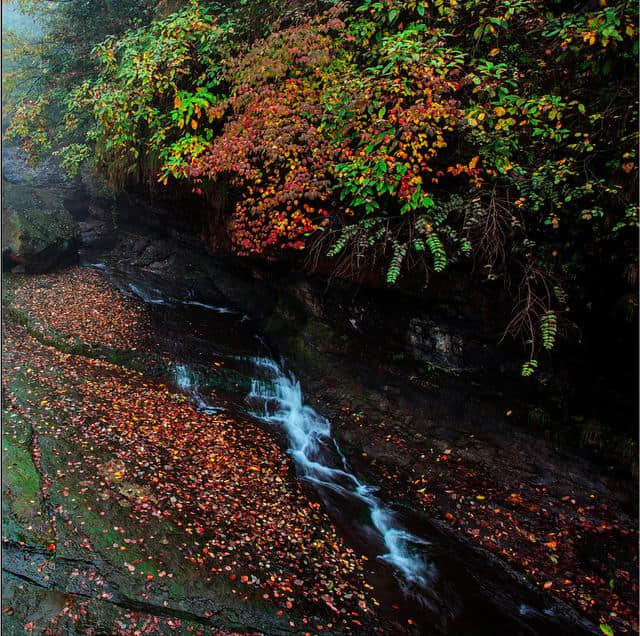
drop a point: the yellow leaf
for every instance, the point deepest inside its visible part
(474, 162)
(500, 111)
(494, 52)
(194, 124)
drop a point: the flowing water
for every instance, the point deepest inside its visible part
(424, 573)
(321, 462)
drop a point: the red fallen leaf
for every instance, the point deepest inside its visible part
(551, 544)
(244, 578)
(52, 547)
(149, 577)
(547, 585)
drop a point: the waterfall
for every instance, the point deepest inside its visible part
(317, 455)
(313, 448)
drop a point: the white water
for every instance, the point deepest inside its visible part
(146, 296)
(312, 446)
(219, 310)
(184, 379)
(187, 382)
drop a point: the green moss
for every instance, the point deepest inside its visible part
(34, 219)
(23, 510)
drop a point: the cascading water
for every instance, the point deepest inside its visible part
(218, 310)
(187, 381)
(311, 445)
(184, 379)
(322, 463)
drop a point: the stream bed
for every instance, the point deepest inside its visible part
(432, 584)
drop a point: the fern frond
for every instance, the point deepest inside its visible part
(549, 329)
(399, 252)
(437, 252)
(528, 368)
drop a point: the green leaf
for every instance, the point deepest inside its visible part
(605, 629)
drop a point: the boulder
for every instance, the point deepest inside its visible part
(17, 170)
(38, 232)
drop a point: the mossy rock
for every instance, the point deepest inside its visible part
(38, 232)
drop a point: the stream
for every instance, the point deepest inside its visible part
(415, 566)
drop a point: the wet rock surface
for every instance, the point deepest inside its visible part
(38, 233)
(446, 476)
(40, 209)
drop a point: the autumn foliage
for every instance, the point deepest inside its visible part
(400, 138)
